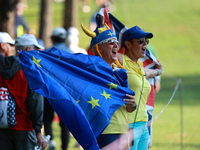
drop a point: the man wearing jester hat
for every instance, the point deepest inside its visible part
(104, 44)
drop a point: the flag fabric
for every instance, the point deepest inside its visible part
(82, 89)
(149, 61)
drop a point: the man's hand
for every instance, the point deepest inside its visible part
(150, 73)
(159, 66)
(131, 104)
(41, 140)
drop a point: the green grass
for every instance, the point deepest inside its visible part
(167, 126)
(176, 28)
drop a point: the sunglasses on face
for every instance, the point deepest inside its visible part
(111, 41)
(141, 41)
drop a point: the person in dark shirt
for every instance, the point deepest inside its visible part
(20, 24)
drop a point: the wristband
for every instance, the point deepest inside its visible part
(158, 72)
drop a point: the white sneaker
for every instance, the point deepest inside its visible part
(52, 145)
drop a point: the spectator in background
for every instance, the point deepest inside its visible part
(39, 41)
(20, 24)
(58, 37)
(93, 24)
(6, 44)
(101, 4)
(72, 40)
(86, 6)
(29, 110)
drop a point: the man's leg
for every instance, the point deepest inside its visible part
(64, 136)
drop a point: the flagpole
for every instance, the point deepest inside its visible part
(181, 114)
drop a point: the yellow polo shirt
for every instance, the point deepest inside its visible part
(119, 122)
(136, 80)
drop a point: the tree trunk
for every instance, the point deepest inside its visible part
(70, 11)
(46, 21)
(11, 24)
(7, 16)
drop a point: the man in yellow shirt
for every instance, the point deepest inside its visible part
(104, 43)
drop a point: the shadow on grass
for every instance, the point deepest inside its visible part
(174, 146)
(189, 145)
(190, 90)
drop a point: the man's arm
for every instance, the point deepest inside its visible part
(36, 106)
(150, 73)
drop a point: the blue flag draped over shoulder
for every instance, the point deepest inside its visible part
(81, 89)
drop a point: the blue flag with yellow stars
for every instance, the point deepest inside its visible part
(82, 89)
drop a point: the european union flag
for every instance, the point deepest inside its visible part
(82, 89)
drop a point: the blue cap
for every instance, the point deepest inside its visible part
(100, 36)
(135, 33)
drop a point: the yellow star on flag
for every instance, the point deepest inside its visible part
(37, 61)
(94, 102)
(78, 101)
(58, 57)
(112, 86)
(106, 95)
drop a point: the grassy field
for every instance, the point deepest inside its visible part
(167, 127)
(176, 29)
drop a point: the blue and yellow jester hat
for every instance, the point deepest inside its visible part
(100, 34)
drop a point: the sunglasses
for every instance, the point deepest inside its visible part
(141, 41)
(110, 41)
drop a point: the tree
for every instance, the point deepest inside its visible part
(70, 13)
(7, 16)
(46, 21)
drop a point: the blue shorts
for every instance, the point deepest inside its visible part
(141, 135)
(106, 139)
